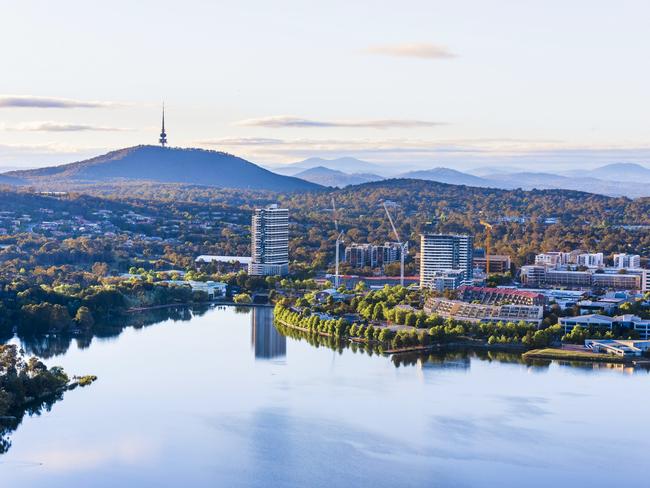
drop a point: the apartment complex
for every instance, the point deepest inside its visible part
(605, 278)
(624, 261)
(583, 270)
(445, 260)
(476, 312)
(375, 256)
(578, 258)
(270, 242)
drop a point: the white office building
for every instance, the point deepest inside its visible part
(625, 261)
(270, 242)
(591, 260)
(552, 259)
(442, 253)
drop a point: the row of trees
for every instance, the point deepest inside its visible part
(447, 331)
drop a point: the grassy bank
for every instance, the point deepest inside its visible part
(561, 354)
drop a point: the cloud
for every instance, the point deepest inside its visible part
(127, 450)
(27, 101)
(61, 127)
(241, 141)
(412, 50)
(280, 121)
(33, 155)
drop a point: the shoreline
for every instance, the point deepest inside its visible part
(564, 355)
(469, 344)
(195, 304)
(549, 354)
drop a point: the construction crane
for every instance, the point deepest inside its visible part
(488, 230)
(401, 245)
(339, 240)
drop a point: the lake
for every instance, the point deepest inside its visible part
(221, 398)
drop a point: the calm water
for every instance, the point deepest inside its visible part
(224, 400)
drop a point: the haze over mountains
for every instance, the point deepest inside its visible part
(617, 171)
(332, 177)
(347, 165)
(617, 179)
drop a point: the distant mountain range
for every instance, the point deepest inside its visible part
(169, 165)
(631, 180)
(447, 175)
(345, 165)
(541, 181)
(213, 168)
(331, 177)
(617, 172)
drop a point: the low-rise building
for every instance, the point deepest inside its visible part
(617, 281)
(620, 348)
(499, 263)
(475, 312)
(603, 322)
(323, 295)
(441, 280)
(569, 279)
(595, 321)
(563, 298)
(604, 305)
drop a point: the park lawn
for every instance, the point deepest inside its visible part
(550, 353)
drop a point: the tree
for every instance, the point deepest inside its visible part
(84, 318)
(243, 298)
(577, 335)
(360, 287)
(378, 312)
(411, 319)
(100, 269)
(42, 317)
(385, 334)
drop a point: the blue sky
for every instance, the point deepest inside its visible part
(549, 85)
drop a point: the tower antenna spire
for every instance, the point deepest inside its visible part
(163, 134)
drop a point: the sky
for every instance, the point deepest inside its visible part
(463, 84)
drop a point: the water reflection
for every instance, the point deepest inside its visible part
(450, 360)
(11, 422)
(51, 345)
(266, 341)
(480, 418)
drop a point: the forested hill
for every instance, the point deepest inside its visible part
(10, 180)
(209, 220)
(170, 165)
